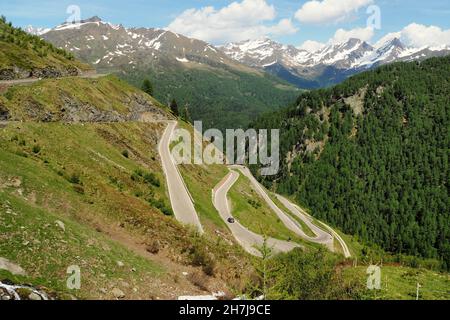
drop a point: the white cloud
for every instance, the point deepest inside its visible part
(329, 11)
(418, 35)
(342, 35)
(238, 21)
(311, 46)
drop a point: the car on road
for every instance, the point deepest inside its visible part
(231, 220)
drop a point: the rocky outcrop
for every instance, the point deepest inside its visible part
(4, 113)
(74, 111)
(16, 73)
(11, 291)
(11, 267)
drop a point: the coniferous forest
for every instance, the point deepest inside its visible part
(370, 156)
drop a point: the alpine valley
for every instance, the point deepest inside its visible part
(238, 79)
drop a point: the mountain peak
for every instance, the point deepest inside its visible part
(37, 31)
(92, 19)
(396, 42)
(354, 41)
(391, 44)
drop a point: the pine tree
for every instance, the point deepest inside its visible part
(147, 87)
(174, 107)
(186, 116)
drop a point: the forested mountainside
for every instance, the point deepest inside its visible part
(24, 55)
(371, 156)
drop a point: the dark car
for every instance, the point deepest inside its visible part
(231, 220)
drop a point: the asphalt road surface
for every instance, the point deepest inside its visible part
(249, 240)
(182, 203)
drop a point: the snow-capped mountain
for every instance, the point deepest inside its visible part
(114, 47)
(264, 52)
(331, 64)
(36, 30)
(106, 46)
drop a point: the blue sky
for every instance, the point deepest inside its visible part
(395, 15)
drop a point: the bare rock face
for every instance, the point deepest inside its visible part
(51, 72)
(7, 265)
(76, 112)
(15, 73)
(117, 293)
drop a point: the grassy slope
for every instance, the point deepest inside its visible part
(24, 51)
(253, 212)
(111, 202)
(200, 181)
(49, 96)
(12, 55)
(400, 283)
(31, 237)
(305, 228)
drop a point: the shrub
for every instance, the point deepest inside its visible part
(36, 149)
(255, 204)
(200, 258)
(74, 178)
(161, 206)
(152, 179)
(147, 177)
(125, 153)
(137, 175)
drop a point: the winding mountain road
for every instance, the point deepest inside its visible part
(249, 240)
(182, 203)
(321, 237)
(307, 219)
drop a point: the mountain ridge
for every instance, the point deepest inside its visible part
(345, 58)
(302, 68)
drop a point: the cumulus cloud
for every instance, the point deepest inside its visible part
(329, 11)
(311, 46)
(418, 35)
(342, 35)
(414, 35)
(238, 21)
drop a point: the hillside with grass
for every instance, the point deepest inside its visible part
(24, 56)
(103, 184)
(106, 99)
